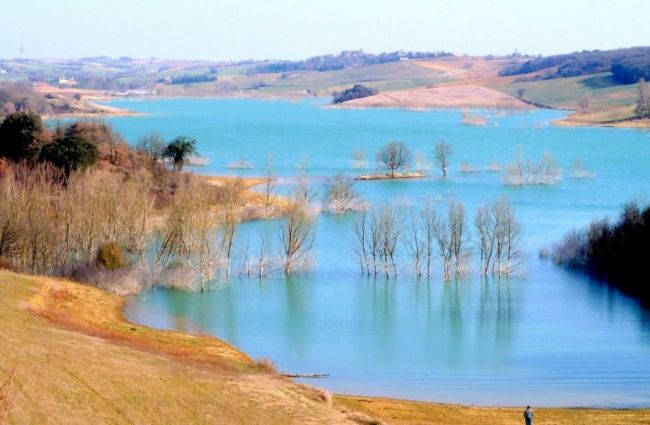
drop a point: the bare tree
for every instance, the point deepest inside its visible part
(390, 229)
(428, 220)
(485, 237)
(361, 249)
(442, 154)
(153, 145)
(459, 236)
(394, 156)
(297, 231)
(509, 250)
(269, 185)
(498, 238)
(415, 242)
(451, 238)
(642, 109)
(340, 194)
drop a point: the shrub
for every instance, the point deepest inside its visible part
(266, 365)
(111, 256)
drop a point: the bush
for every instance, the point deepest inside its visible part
(111, 256)
(70, 153)
(21, 136)
(356, 92)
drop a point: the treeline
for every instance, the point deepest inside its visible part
(358, 91)
(627, 65)
(617, 252)
(345, 59)
(189, 78)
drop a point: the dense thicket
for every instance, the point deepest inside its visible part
(617, 252)
(356, 92)
(345, 59)
(627, 65)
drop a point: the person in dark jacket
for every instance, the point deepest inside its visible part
(528, 415)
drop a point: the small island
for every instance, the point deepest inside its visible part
(358, 91)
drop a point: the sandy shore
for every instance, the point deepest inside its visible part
(577, 122)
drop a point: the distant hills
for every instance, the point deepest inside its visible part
(626, 65)
(345, 59)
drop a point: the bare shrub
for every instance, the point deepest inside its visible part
(363, 419)
(341, 197)
(523, 171)
(494, 167)
(578, 171)
(468, 168)
(111, 256)
(359, 159)
(266, 365)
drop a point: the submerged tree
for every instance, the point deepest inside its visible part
(498, 238)
(451, 237)
(442, 153)
(297, 232)
(341, 196)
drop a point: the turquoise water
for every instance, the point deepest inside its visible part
(551, 337)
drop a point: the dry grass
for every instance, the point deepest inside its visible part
(459, 96)
(252, 204)
(65, 374)
(7, 398)
(399, 412)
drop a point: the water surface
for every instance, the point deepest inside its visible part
(552, 337)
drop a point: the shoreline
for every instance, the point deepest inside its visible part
(103, 111)
(81, 340)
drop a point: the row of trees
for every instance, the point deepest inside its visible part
(383, 236)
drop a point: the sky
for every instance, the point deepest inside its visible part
(295, 29)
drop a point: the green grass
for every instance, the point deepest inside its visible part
(602, 91)
(384, 77)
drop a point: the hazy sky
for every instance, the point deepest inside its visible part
(240, 29)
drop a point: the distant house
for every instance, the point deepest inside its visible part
(67, 82)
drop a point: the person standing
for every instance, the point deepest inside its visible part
(528, 415)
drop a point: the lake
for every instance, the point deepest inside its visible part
(548, 337)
